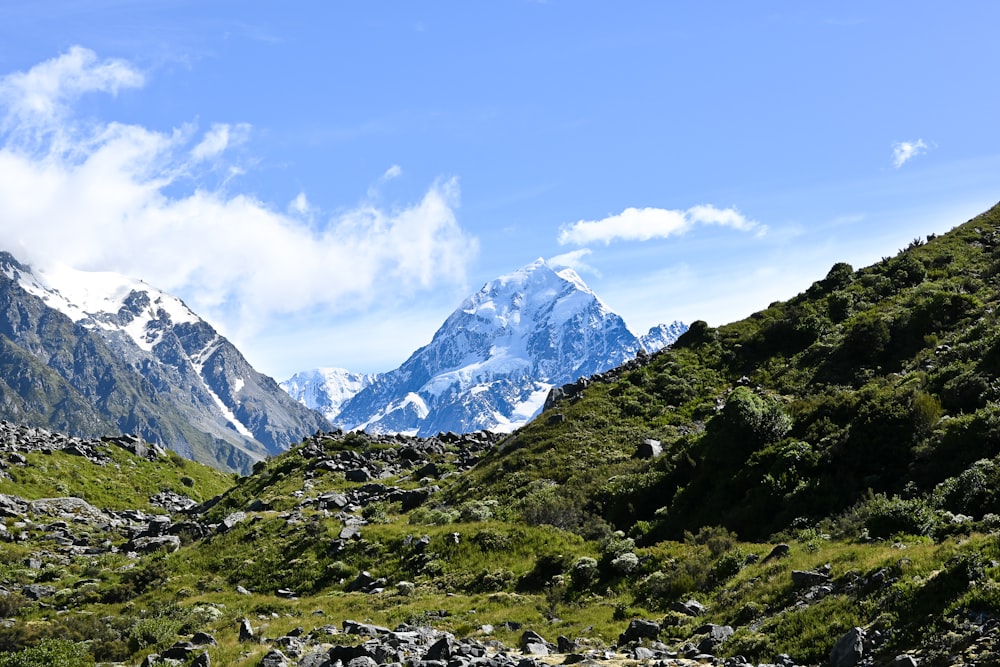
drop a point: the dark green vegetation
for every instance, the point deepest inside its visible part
(858, 423)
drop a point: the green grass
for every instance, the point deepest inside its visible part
(126, 482)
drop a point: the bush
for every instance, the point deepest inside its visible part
(584, 572)
(885, 517)
(51, 653)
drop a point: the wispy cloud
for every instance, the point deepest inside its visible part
(125, 198)
(39, 97)
(904, 151)
(573, 260)
(644, 224)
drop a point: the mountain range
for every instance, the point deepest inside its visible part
(97, 353)
(491, 364)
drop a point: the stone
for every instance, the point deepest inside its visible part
(274, 658)
(37, 591)
(530, 637)
(230, 521)
(807, 578)
(202, 661)
(203, 639)
(649, 449)
(717, 635)
(179, 651)
(148, 545)
(439, 650)
(904, 661)
(638, 630)
(779, 551)
(849, 649)
(246, 631)
(689, 608)
(350, 533)
(566, 645)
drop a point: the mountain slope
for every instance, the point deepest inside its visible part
(494, 360)
(871, 396)
(98, 353)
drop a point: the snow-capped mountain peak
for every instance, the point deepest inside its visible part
(149, 364)
(495, 358)
(107, 300)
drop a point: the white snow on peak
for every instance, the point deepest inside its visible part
(326, 389)
(96, 297)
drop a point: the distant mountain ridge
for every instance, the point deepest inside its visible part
(99, 353)
(492, 363)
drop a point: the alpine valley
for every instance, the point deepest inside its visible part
(492, 363)
(816, 484)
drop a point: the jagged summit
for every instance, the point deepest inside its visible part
(495, 358)
(108, 353)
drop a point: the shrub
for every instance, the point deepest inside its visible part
(51, 653)
(625, 563)
(584, 572)
(475, 510)
(885, 517)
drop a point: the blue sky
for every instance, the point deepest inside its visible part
(326, 181)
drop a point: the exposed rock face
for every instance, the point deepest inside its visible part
(99, 354)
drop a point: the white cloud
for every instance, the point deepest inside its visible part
(644, 224)
(129, 199)
(572, 260)
(904, 151)
(218, 139)
(42, 95)
(300, 204)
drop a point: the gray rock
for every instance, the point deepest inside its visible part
(717, 635)
(202, 661)
(203, 639)
(849, 649)
(638, 630)
(649, 449)
(689, 608)
(904, 661)
(274, 658)
(37, 591)
(779, 551)
(536, 649)
(362, 661)
(230, 521)
(179, 651)
(148, 545)
(246, 631)
(439, 650)
(806, 578)
(530, 637)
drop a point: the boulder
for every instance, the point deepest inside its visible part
(689, 608)
(246, 631)
(716, 636)
(849, 649)
(807, 578)
(649, 449)
(638, 630)
(148, 545)
(274, 658)
(779, 551)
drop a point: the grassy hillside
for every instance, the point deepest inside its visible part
(828, 463)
